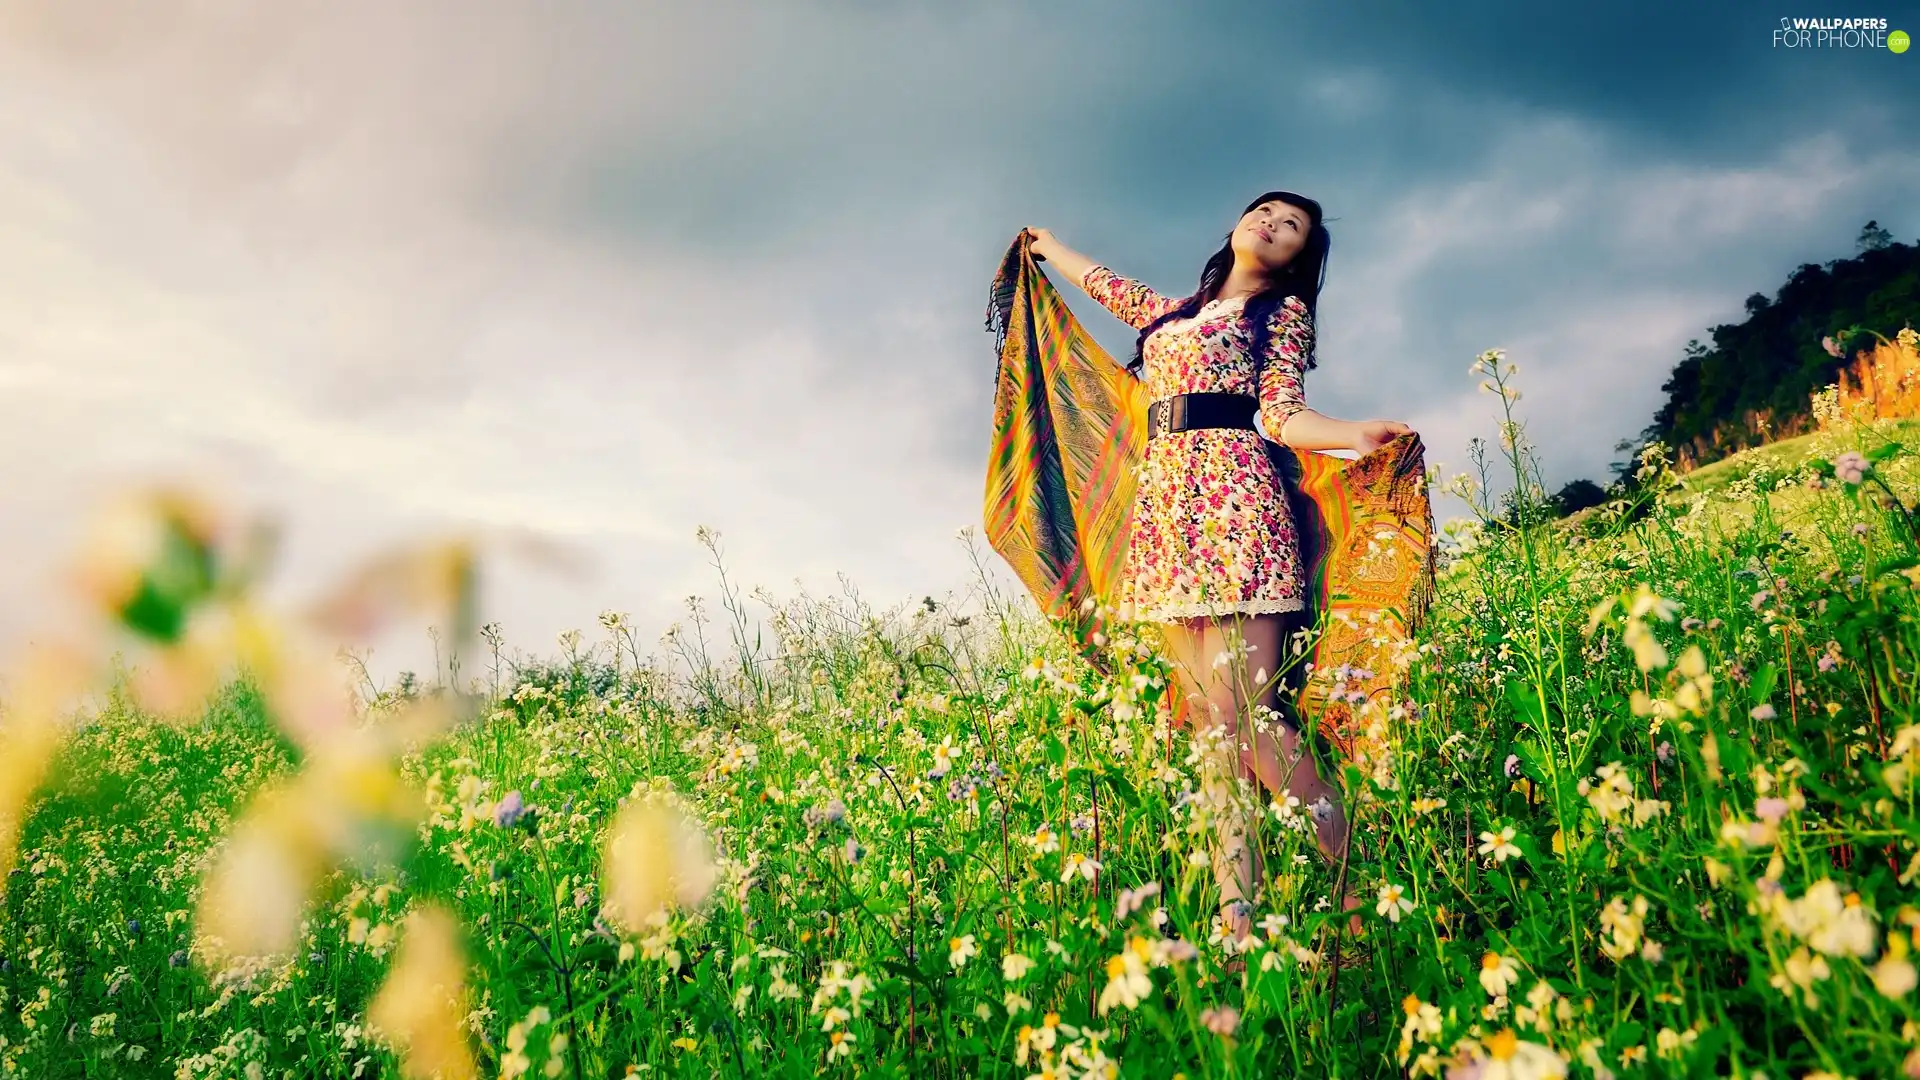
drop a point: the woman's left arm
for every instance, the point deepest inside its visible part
(1283, 404)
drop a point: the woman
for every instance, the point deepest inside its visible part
(1212, 532)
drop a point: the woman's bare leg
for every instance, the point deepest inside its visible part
(1236, 861)
(1262, 747)
(1209, 696)
(1279, 752)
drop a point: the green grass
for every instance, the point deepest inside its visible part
(1778, 458)
(1655, 920)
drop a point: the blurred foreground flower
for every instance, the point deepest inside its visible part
(31, 730)
(169, 567)
(655, 856)
(420, 1009)
(1648, 653)
(435, 577)
(151, 556)
(1505, 1056)
(347, 806)
(172, 569)
(252, 900)
(1832, 923)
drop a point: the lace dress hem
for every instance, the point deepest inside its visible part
(1163, 613)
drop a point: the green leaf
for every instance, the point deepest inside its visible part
(1533, 759)
(910, 973)
(1056, 750)
(1762, 685)
(1525, 701)
(1884, 451)
(1123, 788)
(1891, 565)
(1499, 883)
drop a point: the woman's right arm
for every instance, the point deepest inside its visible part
(1133, 302)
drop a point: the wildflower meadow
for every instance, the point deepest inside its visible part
(1643, 804)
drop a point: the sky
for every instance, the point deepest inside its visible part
(605, 273)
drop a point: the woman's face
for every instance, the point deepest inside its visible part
(1271, 234)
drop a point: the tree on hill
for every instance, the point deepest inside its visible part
(1577, 495)
(1769, 365)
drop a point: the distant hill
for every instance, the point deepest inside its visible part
(1753, 383)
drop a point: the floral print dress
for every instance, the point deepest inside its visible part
(1212, 530)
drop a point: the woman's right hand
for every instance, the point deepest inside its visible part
(1041, 243)
(1370, 435)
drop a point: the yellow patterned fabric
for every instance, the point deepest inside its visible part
(1069, 430)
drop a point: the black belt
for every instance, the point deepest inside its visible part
(1184, 412)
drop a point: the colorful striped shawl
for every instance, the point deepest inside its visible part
(1069, 429)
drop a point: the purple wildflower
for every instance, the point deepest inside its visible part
(1851, 467)
(833, 812)
(1130, 900)
(510, 811)
(1222, 1020)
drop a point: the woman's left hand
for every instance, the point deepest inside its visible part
(1373, 434)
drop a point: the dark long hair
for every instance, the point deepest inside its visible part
(1303, 277)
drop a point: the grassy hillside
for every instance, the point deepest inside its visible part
(1643, 808)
